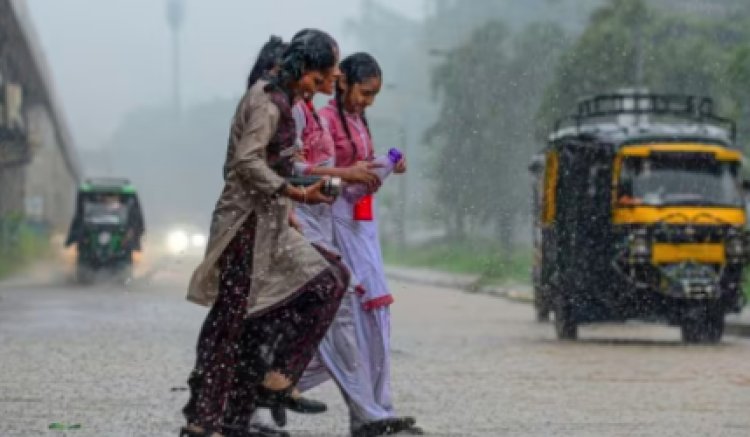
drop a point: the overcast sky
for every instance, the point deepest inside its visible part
(110, 57)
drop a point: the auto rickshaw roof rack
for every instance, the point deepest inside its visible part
(108, 184)
(642, 106)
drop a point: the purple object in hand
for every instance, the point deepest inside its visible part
(353, 192)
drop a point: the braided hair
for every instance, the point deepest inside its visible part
(268, 59)
(356, 68)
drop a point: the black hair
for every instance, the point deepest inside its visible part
(356, 68)
(301, 34)
(308, 31)
(268, 59)
(309, 50)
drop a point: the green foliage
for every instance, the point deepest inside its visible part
(490, 88)
(20, 244)
(467, 257)
(628, 44)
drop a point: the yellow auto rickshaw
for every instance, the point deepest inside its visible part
(640, 214)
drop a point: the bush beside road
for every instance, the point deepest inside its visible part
(20, 245)
(477, 258)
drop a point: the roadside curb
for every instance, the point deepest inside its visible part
(466, 283)
(515, 293)
(737, 328)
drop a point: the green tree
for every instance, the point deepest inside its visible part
(490, 88)
(628, 44)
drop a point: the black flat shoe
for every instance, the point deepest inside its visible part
(258, 430)
(276, 401)
(388, 426)
(304, 405)
(413, 430)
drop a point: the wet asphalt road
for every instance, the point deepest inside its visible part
(465, 365)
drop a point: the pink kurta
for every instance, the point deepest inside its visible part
(358, 241)
(315, 146)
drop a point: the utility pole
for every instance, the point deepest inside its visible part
(175, 18)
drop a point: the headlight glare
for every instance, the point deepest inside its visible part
(198, 240)
(177, 241)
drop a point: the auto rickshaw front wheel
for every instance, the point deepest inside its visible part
(542, 314)
(702, 323)
(542, 308)
(566, 327)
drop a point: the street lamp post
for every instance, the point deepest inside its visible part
(175, 18)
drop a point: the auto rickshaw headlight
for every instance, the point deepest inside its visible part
(104, 238)
(639, 246)
(177, 242)
(734, 247)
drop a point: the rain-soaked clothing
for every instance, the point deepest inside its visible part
(356, 344)
(343, 354)
(317, 150)
(235, 352)
(262, 137)
(273, 294)
(356, 350)
(357, 241)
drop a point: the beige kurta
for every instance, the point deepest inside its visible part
(283, 260)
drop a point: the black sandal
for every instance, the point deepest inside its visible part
(303, 405)
(413, 430)
(268, 398)
(278, 401)
(390, 426)
(274, 400)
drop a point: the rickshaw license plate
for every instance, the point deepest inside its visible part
(674, 253)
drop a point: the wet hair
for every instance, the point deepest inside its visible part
(301, 34)
(268, 59)
(308, 31)
(309, 50)
(356, 68)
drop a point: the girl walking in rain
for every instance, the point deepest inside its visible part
(355, 351)
(273, 295)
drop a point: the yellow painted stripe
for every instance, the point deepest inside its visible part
(674, 253)
(549, 203)
(720, 152)
(679, 215)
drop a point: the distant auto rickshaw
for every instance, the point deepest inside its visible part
(640, 214)
(107, 228)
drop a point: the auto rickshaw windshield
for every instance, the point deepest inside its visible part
(105, 210)
(679, 181)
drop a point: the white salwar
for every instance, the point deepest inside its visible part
(356, 350)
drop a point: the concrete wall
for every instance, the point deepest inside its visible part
(44, 189)
(50, 188)
(12, 190)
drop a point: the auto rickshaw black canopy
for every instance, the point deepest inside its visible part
(633, 117)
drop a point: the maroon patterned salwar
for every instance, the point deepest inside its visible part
(235, 352)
